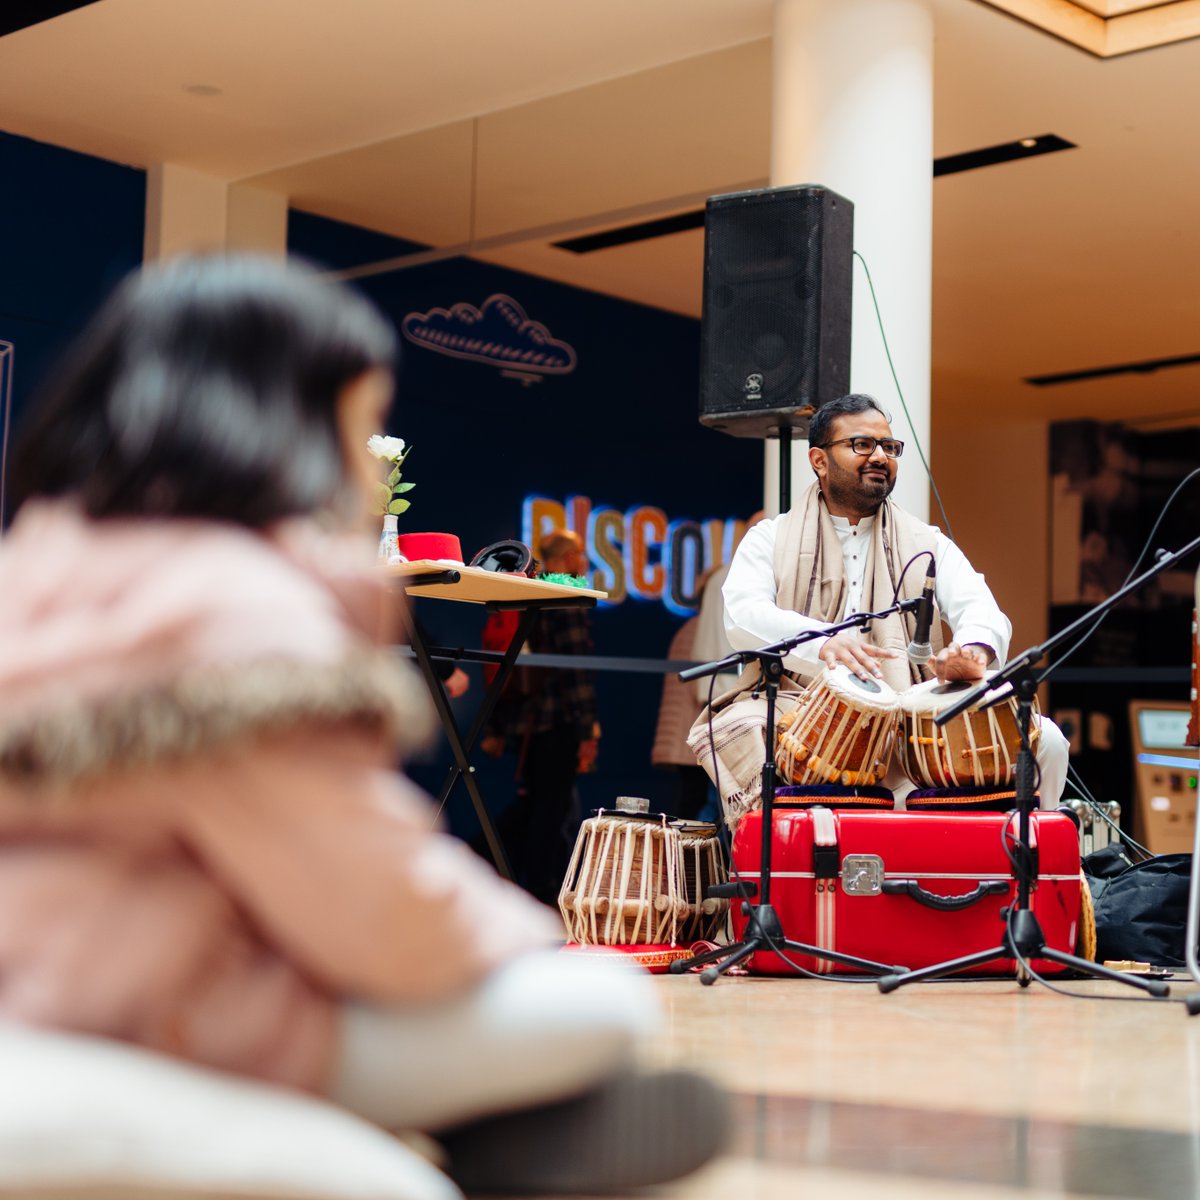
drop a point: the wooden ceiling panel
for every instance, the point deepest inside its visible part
(302, 79)
(675, 130)
(416, 187)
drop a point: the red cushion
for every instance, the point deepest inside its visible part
(656, 957)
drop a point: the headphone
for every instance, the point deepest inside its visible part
(509, 557)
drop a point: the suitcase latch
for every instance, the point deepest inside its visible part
(862, 875)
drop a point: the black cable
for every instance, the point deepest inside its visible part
(775, 949)
(1027, 967)
(1098, 810)
(904, 570)
(1062, 658)
(712, 742)
(899, 392)
(713, 678)
(6, 380)
(1007, 836)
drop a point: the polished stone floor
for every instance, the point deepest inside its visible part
(950, 1089)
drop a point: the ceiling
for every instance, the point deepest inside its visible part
(509, 126)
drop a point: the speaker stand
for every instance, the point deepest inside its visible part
(785, 468)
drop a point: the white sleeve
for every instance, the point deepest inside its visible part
(752, 617)
(966, 601)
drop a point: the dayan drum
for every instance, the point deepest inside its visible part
(842, 731)
(978, 748)
(703, 859)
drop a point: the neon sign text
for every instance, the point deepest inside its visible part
(641, 552)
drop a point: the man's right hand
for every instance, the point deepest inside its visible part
(851, 651)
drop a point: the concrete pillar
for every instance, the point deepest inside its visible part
(256, 220)
(189, 211)
(853, 110)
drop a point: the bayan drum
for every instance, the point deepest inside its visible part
(842, 731)
(624, 884)
(977, 749)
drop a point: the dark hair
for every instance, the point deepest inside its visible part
(205, 387)
(824, 417)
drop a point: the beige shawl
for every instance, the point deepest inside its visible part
(810, 579)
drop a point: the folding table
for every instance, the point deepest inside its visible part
(496, 591)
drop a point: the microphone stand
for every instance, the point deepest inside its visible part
(1023, 939)
(764, 930)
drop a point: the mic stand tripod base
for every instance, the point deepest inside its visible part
(1023, 939)
(764, 932)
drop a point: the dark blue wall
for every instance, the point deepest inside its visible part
(621, 428)
(71, 226)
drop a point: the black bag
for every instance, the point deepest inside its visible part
(1141, 909)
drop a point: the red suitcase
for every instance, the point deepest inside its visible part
(833, 898)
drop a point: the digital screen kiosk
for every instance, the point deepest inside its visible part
(1165, 773)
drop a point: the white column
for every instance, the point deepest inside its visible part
(188, 211)
(185, 211)
(256, 220)
(853, 110)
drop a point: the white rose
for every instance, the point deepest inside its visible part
(391, 448)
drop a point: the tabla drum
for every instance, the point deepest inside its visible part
(842, 731)
(977, 749)
(702, 858)
(625, 882)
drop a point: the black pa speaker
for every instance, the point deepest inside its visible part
(775, 322)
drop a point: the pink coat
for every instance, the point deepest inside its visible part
(203, 845)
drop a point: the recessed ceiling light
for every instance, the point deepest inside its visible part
(201, 89)
(1028, 143)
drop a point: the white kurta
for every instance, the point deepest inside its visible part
(753, 618)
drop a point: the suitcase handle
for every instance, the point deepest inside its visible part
(910, 887)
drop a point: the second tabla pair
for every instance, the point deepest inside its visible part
(849, 730)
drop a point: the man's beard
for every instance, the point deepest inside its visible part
(858, 493)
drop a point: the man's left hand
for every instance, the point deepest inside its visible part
(961, 662)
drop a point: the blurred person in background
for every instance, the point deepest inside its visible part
(551, 724)
(677, 709)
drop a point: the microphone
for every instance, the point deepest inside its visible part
(919, 649)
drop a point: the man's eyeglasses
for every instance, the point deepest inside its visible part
(892, 447)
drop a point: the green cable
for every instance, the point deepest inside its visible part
(900, 393)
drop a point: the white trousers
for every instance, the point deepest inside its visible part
(543, 1027)
(1053, 751)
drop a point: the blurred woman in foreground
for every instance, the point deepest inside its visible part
(204, 846)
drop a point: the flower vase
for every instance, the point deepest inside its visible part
(388, 550)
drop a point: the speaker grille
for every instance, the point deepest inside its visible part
(775, 326)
